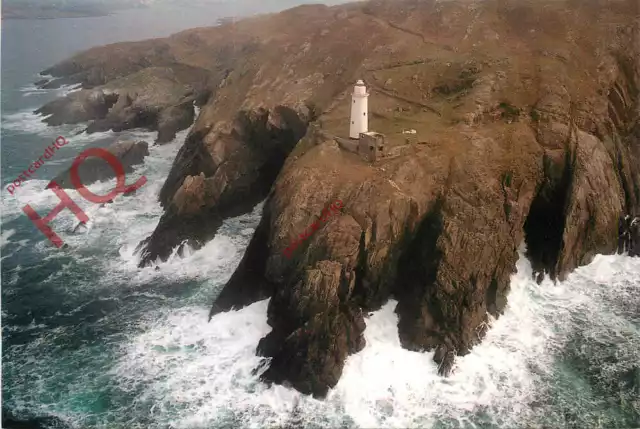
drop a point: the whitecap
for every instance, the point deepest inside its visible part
(5, 235)
(200, 375)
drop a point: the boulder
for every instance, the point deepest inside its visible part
(94, 169)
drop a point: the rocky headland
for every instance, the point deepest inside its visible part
(526, 131)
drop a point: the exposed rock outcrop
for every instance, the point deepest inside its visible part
(504, 162)
(93, 169)
(221, 176)
(526, 118)
(78, 107)
(629, 235)
(157, 98)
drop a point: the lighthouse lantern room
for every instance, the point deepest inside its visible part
(359, 110)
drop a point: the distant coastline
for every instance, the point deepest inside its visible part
(43, 9)
(49, 14)
(9, 12)
(6, 17)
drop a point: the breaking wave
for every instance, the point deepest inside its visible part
(100, 343)
(200, 375)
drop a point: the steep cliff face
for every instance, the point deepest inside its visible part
(225, 175)
(523, 144)
(526, 118)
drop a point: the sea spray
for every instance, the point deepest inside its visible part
(505, 382)
(102, 343)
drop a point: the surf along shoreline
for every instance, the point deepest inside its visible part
(50, 150)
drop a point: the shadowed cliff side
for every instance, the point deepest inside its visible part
(526, 120)
(528, 151)
(202, 190)
(251, 98)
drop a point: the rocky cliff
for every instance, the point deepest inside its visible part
(526, 118)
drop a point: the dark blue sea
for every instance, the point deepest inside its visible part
(91, 339)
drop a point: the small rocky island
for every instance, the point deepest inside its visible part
(505, 121)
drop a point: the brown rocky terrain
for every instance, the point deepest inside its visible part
(158, 98)
(92, 169)
(526, 118)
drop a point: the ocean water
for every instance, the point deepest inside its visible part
(90, 338)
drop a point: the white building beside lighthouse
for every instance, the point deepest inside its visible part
(359, 110)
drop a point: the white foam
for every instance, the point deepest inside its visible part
(63, 91)
(194, 374)
(123, 224)
(495, 376)
(33, 191)
(384, 385)
(5, 235)
(25, 121)
(180, 353)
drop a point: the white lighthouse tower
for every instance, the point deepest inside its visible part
(359, 110)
